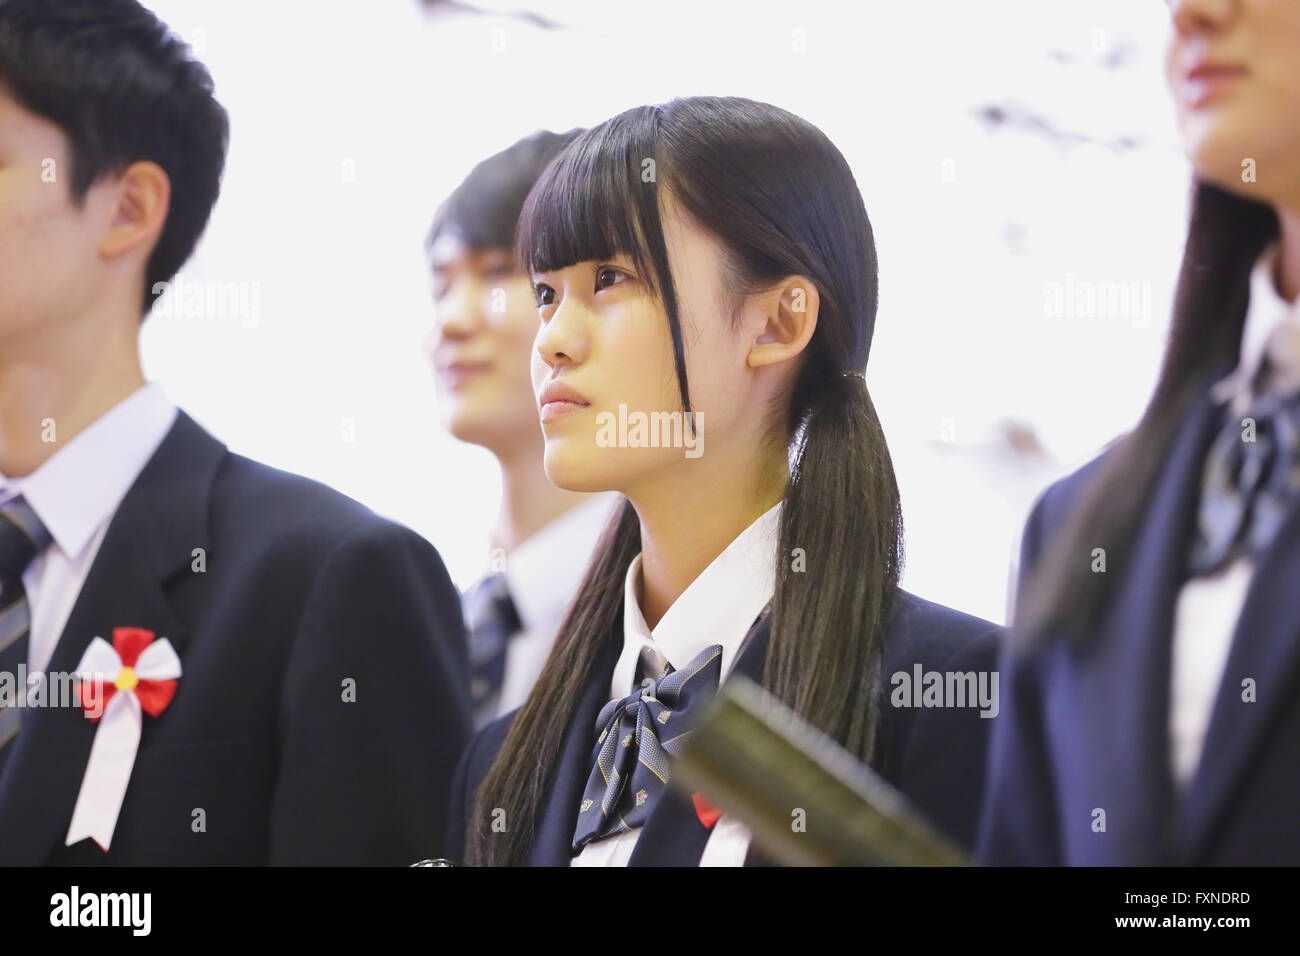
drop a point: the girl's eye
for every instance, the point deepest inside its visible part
(607, 276)
(543, 294)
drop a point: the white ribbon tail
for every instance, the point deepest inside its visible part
(112, 757)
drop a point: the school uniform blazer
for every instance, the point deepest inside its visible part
(260, 758)
(1083, 731)
(934, 755)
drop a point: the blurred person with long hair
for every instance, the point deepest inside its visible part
(1152, 695)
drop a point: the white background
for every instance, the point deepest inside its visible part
(352, 120)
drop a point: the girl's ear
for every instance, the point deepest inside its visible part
(785, 318)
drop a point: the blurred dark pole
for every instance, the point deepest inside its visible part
(806, 800)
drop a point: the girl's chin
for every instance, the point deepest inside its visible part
(573, 472)
(1216, 155)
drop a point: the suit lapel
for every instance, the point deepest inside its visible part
(1122, 686)
(1266, 649)
(673, 835)
(553, 845)
(149, 539)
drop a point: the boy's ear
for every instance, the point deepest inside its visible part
(142, 196)
(788, 313)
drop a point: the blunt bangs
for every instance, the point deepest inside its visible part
(592, 202)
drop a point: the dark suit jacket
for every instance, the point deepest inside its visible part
(303, 588)
(934, 755)
(1087, 730)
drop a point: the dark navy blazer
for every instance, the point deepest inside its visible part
(1087, 730)
(303, 589)
(934, 755)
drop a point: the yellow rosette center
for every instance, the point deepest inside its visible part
(127, 679)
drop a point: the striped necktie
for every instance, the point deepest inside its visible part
(22, 537)
(492, 620)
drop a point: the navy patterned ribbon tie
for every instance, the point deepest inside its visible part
(1252, 482)
(637, 737)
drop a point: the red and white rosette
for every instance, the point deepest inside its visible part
(145, 672)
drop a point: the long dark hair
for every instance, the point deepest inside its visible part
(783, 202)
(1226, 235)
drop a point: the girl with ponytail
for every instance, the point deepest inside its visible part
(707, 267)
(1152, 706)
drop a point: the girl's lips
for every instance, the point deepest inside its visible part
(558, 398)
(554, 409)
(1208, 82)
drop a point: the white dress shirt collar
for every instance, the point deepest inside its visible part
(718, 607)
(76, 491)
(544, 572)
(1272, 330)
